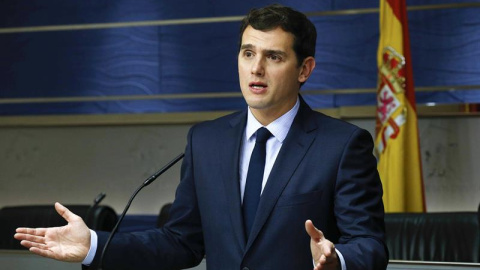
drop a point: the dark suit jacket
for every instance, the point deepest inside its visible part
(325, 171)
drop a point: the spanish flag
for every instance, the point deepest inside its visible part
(397, 143)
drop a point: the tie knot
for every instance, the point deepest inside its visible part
(263, 135)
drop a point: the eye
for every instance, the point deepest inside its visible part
(275, 57)
(248, 54)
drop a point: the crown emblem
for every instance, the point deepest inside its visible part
(392, 69)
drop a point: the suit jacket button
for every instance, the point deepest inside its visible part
(245, 268)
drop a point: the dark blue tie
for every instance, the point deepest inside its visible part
(253, 187)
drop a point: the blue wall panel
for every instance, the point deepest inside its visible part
(201, 58)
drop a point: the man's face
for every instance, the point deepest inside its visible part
(269, 73)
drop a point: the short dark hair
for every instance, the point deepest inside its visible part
(290, 20)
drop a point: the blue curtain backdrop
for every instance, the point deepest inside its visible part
(201, 58)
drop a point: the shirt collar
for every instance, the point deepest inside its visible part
(279, 127)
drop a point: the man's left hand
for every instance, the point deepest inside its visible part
(323, 251)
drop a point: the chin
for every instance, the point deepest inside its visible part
(256, 104)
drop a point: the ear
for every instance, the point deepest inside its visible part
(306, 69)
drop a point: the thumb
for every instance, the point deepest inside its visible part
(312, 231)
(65, 213)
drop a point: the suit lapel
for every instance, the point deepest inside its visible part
(229, 146)
(294, 148)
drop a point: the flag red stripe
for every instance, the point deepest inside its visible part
(397, 8)
(400, 10)
(409, 86)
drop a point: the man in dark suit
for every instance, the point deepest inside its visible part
(247, 208)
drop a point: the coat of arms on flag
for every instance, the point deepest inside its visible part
(390, 112)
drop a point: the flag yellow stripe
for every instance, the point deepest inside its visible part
(390, 31)
(399, 168)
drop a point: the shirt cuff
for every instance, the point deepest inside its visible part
(93, 248)
(342, 260)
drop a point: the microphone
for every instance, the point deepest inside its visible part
(89, 215)
(98, 199)
(147, 182)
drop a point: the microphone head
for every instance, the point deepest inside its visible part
(99, 198)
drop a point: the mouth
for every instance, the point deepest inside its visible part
(257, 86)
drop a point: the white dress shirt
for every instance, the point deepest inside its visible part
(279, 129)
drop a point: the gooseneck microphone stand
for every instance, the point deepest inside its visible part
(147, 182)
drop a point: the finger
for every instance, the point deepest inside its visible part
(312, 231)
(328, 250)
(30, 244)
(19, 236)
(30, 238)
(319, 266)
(42, 252)
(32, 231)
(322, 262)
(65, 213)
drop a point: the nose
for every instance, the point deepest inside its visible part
(258, 68)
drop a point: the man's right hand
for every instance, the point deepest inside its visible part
(69, 243)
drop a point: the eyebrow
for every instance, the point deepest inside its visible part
(269, 52)
(246, 46)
